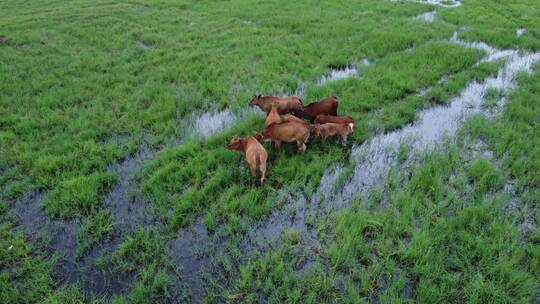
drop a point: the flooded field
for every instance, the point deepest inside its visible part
(115, 190)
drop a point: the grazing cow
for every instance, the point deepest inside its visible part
(327, 106)
(285, 104)
(273, 116)
(292, 118)
(254, 152)
(286, 132)
(333, 129)
(322, 119)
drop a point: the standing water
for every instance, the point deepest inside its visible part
(428, 16)
(374, 158)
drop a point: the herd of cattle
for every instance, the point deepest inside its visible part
(323, 122)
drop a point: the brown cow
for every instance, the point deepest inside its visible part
(327, 106)
(254, 152)
(285, 104)
(286, 132)
(333, 129)
(322, 119)
(273, 116)
(292, 118)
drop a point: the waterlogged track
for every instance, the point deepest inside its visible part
(442, 3)
(199, 252)
(374, 158)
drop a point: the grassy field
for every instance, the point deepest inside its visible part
(114, 190)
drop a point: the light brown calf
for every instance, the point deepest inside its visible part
(286, 132)
(333, 129)
(322, 119)
(254, 152)
(292, 118)
(285, 104)
(273, 116)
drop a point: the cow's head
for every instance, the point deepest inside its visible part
(235, 143)
(315, 129)
(255, 100)
(259, 135)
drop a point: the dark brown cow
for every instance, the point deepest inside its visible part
(333, 129)
(327, 106)
(273, 116)
(285, 104)
(254, 152)
(286, 132)
(323, 118)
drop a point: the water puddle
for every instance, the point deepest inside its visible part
(129, 211)
(57, 236)
(145, 46)
(442, 3)
(338, 74)
(209, 123)
(492, 54)
(194, 260)
(125, 200)
(428, 16)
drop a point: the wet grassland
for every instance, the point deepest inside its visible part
(117, 185)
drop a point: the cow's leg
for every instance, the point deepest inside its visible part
(278, 144)
(344, 140)
(262, 168)
(253, 170)
(301, 146)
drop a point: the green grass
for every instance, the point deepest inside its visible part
(85, 84)
(94, 229)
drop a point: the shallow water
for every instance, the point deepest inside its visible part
(443, 3)
(428, 16)
(143, 45)
(338, 74)
(208, 123)
(372, 161)
(374, 158)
